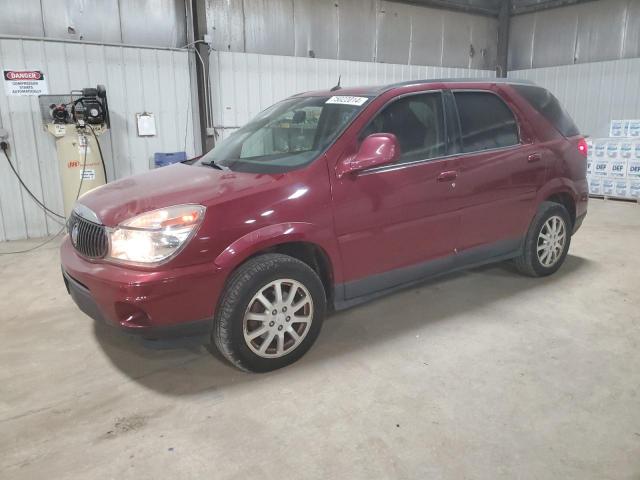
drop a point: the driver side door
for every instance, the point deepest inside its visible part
(394, 222)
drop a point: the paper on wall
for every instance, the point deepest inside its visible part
(146, 124)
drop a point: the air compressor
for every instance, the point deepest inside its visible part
(76, 121)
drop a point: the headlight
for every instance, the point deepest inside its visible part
(155, 236)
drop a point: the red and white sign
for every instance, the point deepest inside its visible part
(25, 82)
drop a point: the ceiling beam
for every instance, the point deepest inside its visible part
(545, 5)
(516, 6)
(456, 6)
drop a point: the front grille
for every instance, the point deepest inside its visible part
(88, 238)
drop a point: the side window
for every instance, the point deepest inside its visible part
(485, 121)
(417, 122)
(548, 105)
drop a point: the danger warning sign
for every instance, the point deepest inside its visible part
(25, 82)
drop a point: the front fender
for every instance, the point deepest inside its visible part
(272, 235)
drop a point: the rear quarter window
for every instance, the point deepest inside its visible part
(549, 107)
(486, 122)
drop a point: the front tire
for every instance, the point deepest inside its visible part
(547, 242)
(270, 313)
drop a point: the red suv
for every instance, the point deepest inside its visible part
(323, 201)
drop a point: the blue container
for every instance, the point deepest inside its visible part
(164, 159)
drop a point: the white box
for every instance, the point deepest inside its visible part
(590, 147)
(600, 167)
(621, 188)
(617, 168)
(617, 128)
(600, 148)
(626, 150)
(595, 186)
(589, 167)
(613, 149)
(608, 186)
(634, 189)
(633, 169)
(636, 150)
(634, 128)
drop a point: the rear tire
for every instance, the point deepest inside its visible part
(547, 241)
(270, 313)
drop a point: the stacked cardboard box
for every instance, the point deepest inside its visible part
(613, 164)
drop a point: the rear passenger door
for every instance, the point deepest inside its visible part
(498, 176)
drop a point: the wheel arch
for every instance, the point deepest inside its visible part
(312, 255)
(567, 201)
(295, 239)
(561, 191)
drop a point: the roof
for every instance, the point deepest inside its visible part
(376, 90)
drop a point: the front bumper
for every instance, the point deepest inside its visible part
(157, 304)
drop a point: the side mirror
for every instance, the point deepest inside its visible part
(377, 149)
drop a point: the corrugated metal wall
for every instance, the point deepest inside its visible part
(588, 32)
(243, 84)
(363, 30)
(136, 79)
(593, 93)
(160, 23)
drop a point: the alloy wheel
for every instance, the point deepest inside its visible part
(551, 241)
(278, 318)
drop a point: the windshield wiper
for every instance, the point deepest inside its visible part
(213, 164)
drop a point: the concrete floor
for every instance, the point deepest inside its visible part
(484, 374)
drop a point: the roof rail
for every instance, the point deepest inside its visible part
(459, 80)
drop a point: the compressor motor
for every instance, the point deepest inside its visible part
(91, 107)
(88, 105)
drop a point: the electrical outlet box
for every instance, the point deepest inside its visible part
(206, 38)
(211, 131)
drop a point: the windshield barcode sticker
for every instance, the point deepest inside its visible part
(346, 100)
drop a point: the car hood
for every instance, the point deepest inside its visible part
(118, 201)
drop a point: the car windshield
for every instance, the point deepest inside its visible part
(287, 135)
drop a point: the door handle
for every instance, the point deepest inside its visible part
(534, 157)
(447, 176)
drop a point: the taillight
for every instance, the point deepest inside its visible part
(583, 148)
